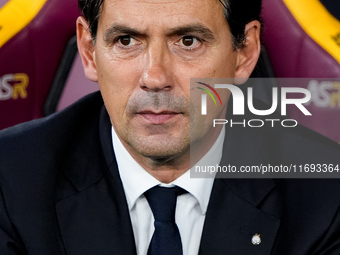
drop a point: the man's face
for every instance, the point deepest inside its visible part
(145, 53)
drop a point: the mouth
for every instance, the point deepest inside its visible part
(158, 118)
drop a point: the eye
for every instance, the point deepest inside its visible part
(127, 40)
(188, 41)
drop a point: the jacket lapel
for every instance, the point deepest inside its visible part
(233, 217)
(231, 222)
(94, 218)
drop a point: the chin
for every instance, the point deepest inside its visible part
(160, 147)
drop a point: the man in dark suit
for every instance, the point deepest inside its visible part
(109, 175)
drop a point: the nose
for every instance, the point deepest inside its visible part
(157, 75)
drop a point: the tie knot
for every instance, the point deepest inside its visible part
(163, 202)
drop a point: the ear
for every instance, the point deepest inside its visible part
(249, 53)
(86, 49)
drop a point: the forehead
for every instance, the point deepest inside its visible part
(162, 13)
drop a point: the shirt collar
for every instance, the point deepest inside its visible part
(136, 180)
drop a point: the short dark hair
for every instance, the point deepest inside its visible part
(237, 12)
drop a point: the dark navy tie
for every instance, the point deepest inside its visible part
(166, 239)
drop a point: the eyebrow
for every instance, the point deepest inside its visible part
(114, 30)
(196, 29)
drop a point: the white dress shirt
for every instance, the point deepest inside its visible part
(190, 209)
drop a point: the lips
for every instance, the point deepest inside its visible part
(158, 118)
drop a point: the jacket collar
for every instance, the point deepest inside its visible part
(93, 217)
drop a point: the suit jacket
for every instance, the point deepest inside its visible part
(61, 192)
